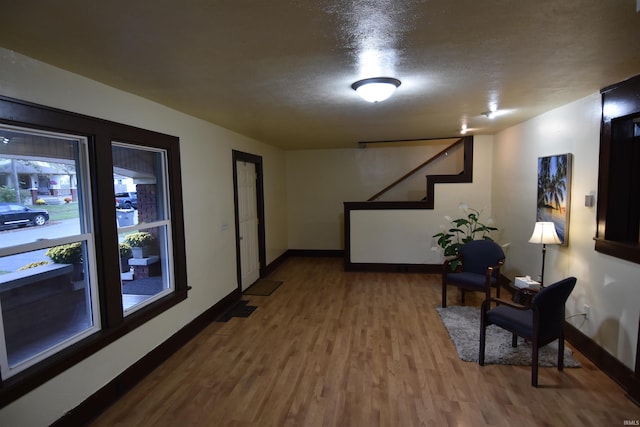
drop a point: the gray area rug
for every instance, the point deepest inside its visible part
(463, 325)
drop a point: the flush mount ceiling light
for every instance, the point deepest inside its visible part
(376, 89)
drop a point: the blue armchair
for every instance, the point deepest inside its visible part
(541, 322)
(481, 262)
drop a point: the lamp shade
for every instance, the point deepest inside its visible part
(545, 233)
(376, 89)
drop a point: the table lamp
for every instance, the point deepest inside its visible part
(544, 233)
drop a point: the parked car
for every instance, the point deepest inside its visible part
(15, 215)
(127, 200)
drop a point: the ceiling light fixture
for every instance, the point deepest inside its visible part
(489, 114)
(376, 89)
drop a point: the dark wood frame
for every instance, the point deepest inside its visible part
(428, 203)
(618, 101)
(100, 134)
(239, 156)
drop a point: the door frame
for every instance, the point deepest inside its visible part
(239, 156)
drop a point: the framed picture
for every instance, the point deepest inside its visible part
(554, 193)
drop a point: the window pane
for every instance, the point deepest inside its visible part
(36, 172)
(146, 275)
(139, 178)
(139, 184)
(47, 299)
(44, 303)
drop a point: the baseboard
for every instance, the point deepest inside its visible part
(394, 268)
(633, 392)
(116, 388)
(324, 253)
(608, 364)
(274, 265)
(328, 253)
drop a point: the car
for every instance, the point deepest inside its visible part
(127, 200)
(16, 215)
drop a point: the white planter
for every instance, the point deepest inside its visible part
(141, 252)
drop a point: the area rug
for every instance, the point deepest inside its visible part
(463, 325)
(263, 287)
(239, 309)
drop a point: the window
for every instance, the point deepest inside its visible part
(68, 284)
(143, 224)
(618, 217)
(48, 297)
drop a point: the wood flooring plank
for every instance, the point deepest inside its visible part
(335, 348)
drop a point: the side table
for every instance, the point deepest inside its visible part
(524, 289)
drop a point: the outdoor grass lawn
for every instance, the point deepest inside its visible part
(59, 212)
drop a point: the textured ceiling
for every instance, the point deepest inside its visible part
(281, 70)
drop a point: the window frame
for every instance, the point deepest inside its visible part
(100, 134)
(159, 223)
(619, 101)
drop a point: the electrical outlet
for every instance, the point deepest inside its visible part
(587, 311)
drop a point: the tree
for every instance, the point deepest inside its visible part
(16, 186)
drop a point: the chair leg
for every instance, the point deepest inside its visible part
(483, 335)
(560, 353)
(534, 363)
(462, 296)
(444, 295)
(514, 340)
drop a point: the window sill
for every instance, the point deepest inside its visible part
(629, 251)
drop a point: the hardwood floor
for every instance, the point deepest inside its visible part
(331, 348)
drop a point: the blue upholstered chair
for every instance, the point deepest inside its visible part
(541, 322)
(481, 262)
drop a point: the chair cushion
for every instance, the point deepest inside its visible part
(511, 319)
(469, 280)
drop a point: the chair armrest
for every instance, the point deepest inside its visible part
(491, 268)
(490, 271)
(497, 266)
(486, 303)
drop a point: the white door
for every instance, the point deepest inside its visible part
(248, 223)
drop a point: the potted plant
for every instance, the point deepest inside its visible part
(462, 231)
(33, 265)
(140, 242)
(70, 253)
(125, 254)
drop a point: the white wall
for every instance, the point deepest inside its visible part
(320, 181)
(206, 157)
(405, 236)
(609, 285)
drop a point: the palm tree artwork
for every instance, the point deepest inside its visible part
(554, 184)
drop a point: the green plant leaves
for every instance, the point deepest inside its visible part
(464, 230)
